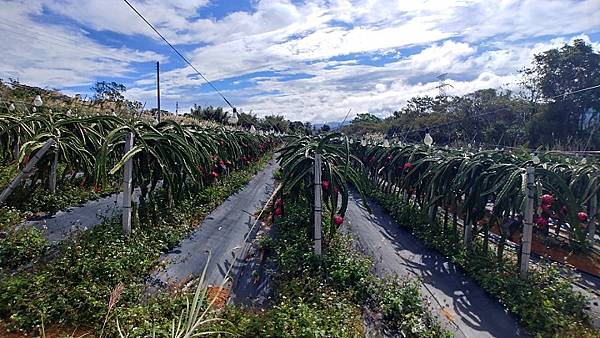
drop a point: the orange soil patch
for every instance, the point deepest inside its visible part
(221, 295)
(55, 332)
(586, 262)
(448, 313)
(6, 334)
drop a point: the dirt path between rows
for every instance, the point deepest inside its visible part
(222, 234)
(462, 306)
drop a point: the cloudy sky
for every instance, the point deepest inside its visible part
(307, 60)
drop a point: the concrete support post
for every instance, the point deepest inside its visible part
(318, 211)
(26, 171)
(127, 185)
(527, 222)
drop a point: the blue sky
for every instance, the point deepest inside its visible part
(307, 60)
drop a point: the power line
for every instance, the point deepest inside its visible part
(67, 43)
(63, 43)
(575, 91)
(178, 53)
(348, 113)
(451, 122)
(73, 43)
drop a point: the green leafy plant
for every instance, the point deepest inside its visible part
(265, 242)
(21, 245)
(466, 181)
(197, 315)
(340, 169)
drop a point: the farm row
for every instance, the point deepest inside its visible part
(91, 151)
(467, 205)
(492, 185)
(182, 172)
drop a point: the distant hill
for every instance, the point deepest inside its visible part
(333, 124)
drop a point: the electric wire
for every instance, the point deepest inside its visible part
(91, 50)
(64, 44)
(37, 32)
(180, 55)
(575, 91)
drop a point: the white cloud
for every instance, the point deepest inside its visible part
(381, 90)
(52, 55)
(114, 15)
(243, 43)
(479, 43)
(521, 19)
(442, 58)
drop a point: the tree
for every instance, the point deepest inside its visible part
(366, 118)
(275, 122)
(209, 113)
(487, 116)
(325, 128)
(364, 123)
(110, 91)
(559, 71)
(299, 128)
(247, 120)
(308, 127)
(490, 116)
(424, 105)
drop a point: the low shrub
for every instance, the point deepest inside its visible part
(40, 200)
(21, 245)
(265, 242)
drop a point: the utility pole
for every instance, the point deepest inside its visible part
(158, 88)
(177, 108)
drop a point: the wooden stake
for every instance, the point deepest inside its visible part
(317, 208)
(26, 171)
(527, 222)
(127, 189)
